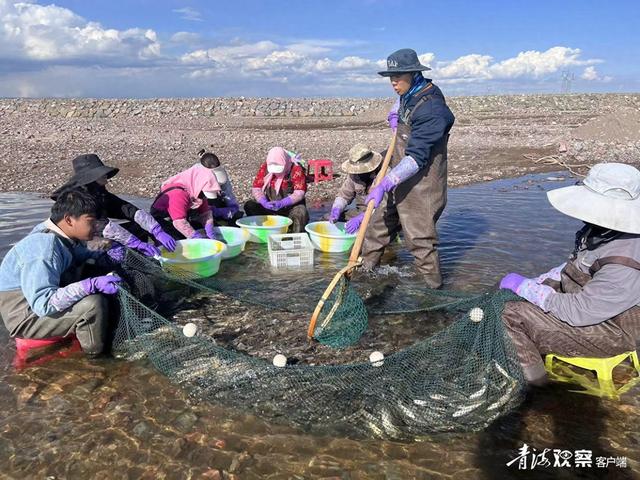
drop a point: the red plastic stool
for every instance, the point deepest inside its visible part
(322, 169)
(26, 346)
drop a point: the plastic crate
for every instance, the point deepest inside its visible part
(291, 250)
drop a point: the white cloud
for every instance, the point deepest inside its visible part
(186, 38)
(472, 66)
(591, 75)
(35, 39)
(188, 13)
(535, 64)
(29, 31)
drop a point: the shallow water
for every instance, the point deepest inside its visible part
(75, 418)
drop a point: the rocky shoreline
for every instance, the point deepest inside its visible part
(150, 140)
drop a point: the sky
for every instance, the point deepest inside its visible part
(320, 48)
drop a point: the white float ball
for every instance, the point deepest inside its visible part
(476, 314)
(189, 330)
(376, 359)
(279, 360)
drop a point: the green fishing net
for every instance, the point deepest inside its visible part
(459, 379)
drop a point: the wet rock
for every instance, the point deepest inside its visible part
(142, 429)
(186, 420)
(240, 462)
(211, 474)
(325, 465)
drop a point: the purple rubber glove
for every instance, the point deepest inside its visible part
(353, 225)
(286, 202)
(224, 212)
(512, 281)
(265, 203)
(107, 284)
(208, 228)
(393, 120)
(377, 193)
(117, 252)
(164, 238)
(143, 247)
(335, 214)
(197, 235)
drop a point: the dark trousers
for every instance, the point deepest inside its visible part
(414, 206)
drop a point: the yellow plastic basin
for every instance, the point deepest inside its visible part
(330, 237)
(261, 226)
(194, 258)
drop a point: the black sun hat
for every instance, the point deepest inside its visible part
(87, 169)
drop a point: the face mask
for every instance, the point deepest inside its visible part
(221, 175)
(210, 195)
(592, 236)
(276, 169)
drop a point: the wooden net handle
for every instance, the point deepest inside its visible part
(357, 246)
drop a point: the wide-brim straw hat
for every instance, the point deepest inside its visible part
(361, 160)
(609, 197)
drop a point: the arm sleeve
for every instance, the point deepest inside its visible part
(258, 194)
(429, 125)
(65, 297)
(297, 196)
(115, 232)
(613, 290)
(184, 227)
(258, 182)
(145, 220)
(553, 274)
(347, 191)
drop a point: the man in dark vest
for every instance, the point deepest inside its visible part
(413, 194)
(588, 306)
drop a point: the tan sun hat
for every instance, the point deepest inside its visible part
(361, 160)
(608, 197)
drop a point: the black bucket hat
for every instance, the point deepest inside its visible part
(87, 169)
(401, 61)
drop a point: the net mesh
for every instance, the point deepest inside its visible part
(459, 379)
(343, 317)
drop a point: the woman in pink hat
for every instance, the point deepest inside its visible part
(183, 199)
(279, 189)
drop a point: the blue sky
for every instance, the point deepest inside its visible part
(145, 48)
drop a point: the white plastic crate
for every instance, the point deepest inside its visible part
(290, 250)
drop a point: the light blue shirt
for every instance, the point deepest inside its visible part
(36, 263)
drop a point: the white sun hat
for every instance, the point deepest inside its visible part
(608, 197)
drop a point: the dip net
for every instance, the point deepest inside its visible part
(461, 378)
